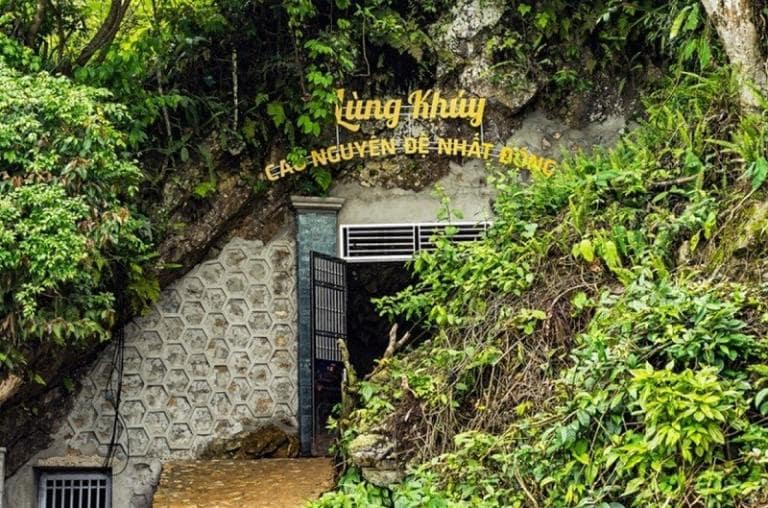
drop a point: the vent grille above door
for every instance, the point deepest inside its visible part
(399, 242)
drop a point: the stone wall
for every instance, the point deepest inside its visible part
(216, 354)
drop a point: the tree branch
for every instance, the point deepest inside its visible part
(8, 387)
(349, 385)
(103, 37)
(395, 344)
(664, 184)
(37, 22)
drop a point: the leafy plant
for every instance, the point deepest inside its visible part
(69, 231)
(595, 349)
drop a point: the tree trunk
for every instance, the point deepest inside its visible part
(37, 22)
(734, 21)
(349, 386)
(106, 33)
(102, 38)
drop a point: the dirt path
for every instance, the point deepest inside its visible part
(267, 483)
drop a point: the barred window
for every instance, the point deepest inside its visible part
(75, 489)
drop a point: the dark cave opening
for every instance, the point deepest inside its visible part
(367, 336)
(367, 332)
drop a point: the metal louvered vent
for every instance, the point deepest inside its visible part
(399, 242)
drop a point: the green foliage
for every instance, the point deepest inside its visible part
(656, 393)
(564, 45)
(333, 53)
(15, 55)
(68, 230)
(353, 493)
(649, 424)
(592, 350)
(175, 64)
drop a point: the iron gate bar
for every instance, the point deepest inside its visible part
(328, 299)
(328, 317)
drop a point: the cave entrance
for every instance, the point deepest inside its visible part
(342, 308)
(371, 264)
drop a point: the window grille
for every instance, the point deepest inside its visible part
(399, 242)
(74, 489)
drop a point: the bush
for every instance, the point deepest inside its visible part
(69, 230)
(603, 346)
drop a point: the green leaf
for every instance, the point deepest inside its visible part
(249, 129)
(760, 397)
(758, 171)
(693, 19)
(530, 230)
(633, 486)
(308, 126)
(611, 255)
(583, 417)
(586, 250)
(678, 22)
(367, 390)
(276, 112)
(204, 189)
(705, 52)
(541, 20)
(323, 178)
(694, 241)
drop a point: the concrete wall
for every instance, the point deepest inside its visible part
(466, 185)
(218, 351)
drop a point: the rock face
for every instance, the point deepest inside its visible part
(514, 91)
(374, 454)
(458, 33)
(271, 440)
(464, 33)
(215, 354)
(199, 224)
(465, 62)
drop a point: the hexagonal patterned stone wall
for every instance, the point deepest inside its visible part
(218, 351)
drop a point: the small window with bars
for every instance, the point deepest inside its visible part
(75, 489)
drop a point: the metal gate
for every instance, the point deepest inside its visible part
(329, 323)
(329, 305)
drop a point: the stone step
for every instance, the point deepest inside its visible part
(265, 483)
